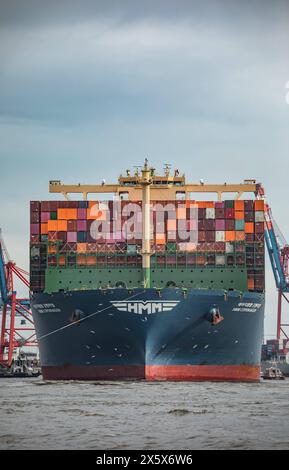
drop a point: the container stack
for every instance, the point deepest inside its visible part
(206, 234)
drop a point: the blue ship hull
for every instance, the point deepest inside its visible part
(149, 334)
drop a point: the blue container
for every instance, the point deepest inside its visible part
(81, 237)
(240, 224)
(83, 204)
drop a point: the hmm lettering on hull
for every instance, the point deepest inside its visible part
(149, 307)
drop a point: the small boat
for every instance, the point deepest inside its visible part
(22, 366)
(273, 373)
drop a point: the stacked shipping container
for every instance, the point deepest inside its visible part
(187, 233)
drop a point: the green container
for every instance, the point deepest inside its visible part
(229, 204)
(171, 246)
(131, 249)
(53, 215)
(239, 224)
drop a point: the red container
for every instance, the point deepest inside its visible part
(34, 229)
(62, 236)
(63, 204)
(219, 205)
(53, 205)
(230, 224)
(259, 237)
(240, 259)
(71, 226)
(35, 217)
(201, 213)
(259, 227)
(201, 225)
(220, 247)
(249, 205)
(35, 238)
(210, 224)
(211, 260)
(249, 237)
(45, 206)
(210, 236)
(220, 213)
(35, 206)
(202, 236)
(229, 213)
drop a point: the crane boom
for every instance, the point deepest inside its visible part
(3, 280)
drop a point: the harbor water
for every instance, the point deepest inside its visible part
(143, 415)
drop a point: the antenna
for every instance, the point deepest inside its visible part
(167, 168)
(136, 171)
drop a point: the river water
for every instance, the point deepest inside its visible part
(143, 415)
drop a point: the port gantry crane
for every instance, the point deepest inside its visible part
(278, 250)
(12, 336)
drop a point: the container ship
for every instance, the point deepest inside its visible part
(152, 284)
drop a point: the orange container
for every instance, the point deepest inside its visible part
(191, 204)
(71, 214)
(52, 249)
(81, 247)
(251, 284)
(81, 260)
(206, 204)
(62, 225)
(160, 239)
(52, 225)
(66, 214)
(61, 260)
(44, 229)
(91, 260)
(249, 227)
(239, 206)
(259, 205)
(230, 236)
(239, 215)
(240, 236)
(61, 214)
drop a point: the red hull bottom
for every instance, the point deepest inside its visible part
(230, 373)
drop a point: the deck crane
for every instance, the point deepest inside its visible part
(278, 250)
(11, 337)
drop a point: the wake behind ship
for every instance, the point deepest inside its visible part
(150, 285)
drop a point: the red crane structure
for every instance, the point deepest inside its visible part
(11, 337)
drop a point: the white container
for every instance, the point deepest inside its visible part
(259, 216)
(220, 236)
(210, 213)
(229, 247)
(220, 260)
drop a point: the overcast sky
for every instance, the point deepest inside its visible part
(90, 88)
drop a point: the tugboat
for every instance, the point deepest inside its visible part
(273, 373)
(22, 366)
